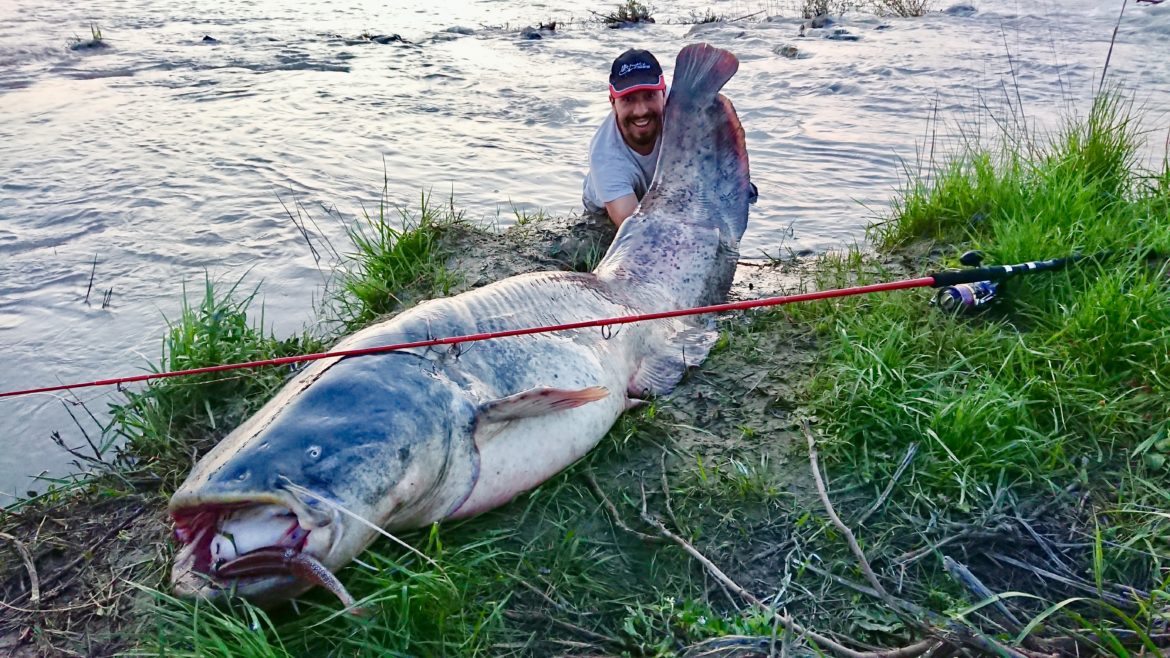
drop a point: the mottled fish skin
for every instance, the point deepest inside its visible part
(680, 248)
(407, 438)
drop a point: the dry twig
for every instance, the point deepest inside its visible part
(962, 575)
(666, 493)
(86, 554)
(29, 566)
(849, 537)
(584, 632)
(789, 623)
(613, 513)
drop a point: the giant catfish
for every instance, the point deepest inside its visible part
(403, 439)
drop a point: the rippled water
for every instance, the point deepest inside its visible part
(165, 156)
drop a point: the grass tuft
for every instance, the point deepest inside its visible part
(95, 41)
(708, 16)
(397, 260)
(903, 8)
(174, 420)
(630, 12)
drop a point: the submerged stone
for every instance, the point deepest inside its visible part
(89, 44)
(787, 50)
(961, 10)
(387, 38)
(841, 34)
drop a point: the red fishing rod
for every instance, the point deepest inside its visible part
(958, 289)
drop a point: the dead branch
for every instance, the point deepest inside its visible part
(951, 632)
(708, 564)
(791, 625)
(857, 587)
(545, 597)
(1044, 544)
(849, 537)
(584, 632)
(962, 575)
(757, 13)
(666, 493)
(29, 566)
(918, 554)
(613, 513)
(56, 438)
(1119, 601)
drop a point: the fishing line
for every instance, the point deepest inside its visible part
(944, 280)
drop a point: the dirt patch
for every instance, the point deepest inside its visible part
(75, 596)
(481, 257)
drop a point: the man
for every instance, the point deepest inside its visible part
(624, 150)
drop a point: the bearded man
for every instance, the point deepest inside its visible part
(624, 150)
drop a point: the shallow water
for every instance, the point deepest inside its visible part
(166, 156)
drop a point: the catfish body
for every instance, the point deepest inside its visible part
(403, 439)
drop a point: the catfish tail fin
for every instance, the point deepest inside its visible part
(700, 71)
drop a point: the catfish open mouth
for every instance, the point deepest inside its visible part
(249, 548)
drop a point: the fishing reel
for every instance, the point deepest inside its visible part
(967, 297)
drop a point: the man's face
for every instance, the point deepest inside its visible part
(639, 116)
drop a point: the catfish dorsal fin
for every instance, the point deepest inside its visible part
(539, 401)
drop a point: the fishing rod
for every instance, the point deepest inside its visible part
(959, 290)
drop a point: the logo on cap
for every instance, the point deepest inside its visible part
(628, 68)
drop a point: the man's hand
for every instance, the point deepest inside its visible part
(621, 208)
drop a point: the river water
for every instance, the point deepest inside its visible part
(167, 156)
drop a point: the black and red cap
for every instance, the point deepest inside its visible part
(635, 70)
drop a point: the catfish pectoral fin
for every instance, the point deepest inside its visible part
(539, 401)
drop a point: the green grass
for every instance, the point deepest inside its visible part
(95, 40)
(524, 217)
(1073, 364)
(1066, 383)
(397, 259)
(171, 419)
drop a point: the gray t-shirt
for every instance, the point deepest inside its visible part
(615, 169)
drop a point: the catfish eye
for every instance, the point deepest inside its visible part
(313, 452)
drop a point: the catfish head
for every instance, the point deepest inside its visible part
(299, 490)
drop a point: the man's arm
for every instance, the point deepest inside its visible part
(621, 208)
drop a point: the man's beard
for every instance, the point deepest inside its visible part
(643, 136)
